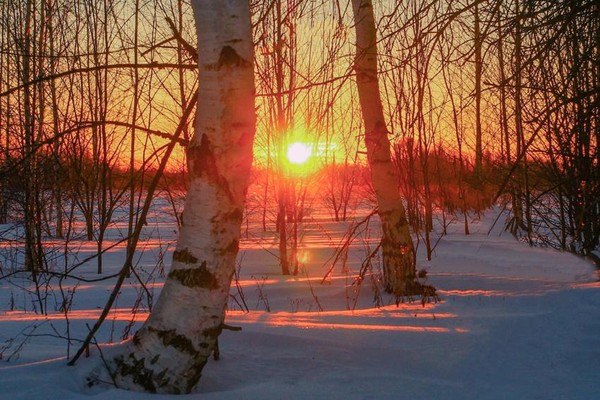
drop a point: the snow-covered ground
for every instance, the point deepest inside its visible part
(514, 323)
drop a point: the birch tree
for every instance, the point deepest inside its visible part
(168, 353)
(478, 78)
(399, 264)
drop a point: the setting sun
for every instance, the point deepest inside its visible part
(298, 153)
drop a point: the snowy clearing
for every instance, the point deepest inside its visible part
(514, 322)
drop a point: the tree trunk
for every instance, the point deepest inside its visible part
(523, 183)
(282, 229)
(31, 256)
(478, 130)
(168, 353)
(397, 247)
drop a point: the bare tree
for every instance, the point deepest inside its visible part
(399, 263)
(478, 43)
(168, 353)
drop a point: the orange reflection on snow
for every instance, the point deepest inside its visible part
(109, 246)
(586, 285)
(254, 282)
(148, 285)
(366, 327)
(475, 293)
(117, 314)
(411, 310)
(383, 319)
(547, 288)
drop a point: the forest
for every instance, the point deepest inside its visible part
(142, 143)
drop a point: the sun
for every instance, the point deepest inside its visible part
(298, 153)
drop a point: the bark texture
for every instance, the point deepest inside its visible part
(168, 353)
(397, 247)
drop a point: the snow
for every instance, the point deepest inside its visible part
(514, 322)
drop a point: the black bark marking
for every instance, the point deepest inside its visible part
(365, 75)
(230, 58)
(232, 247)
(199, 277)
(194, 373)
(213, 332)
(401, 224)
(204, 164)
(203, 158)
(236, 215)
(175, 340)
(162, 381)
(184, 256)
(139, 374)
(145, 378)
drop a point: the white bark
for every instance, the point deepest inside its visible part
(168, 353)
(396, 244)
(478, 77)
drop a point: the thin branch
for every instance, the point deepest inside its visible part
(46, 78)
(138, 229)
(177, 35)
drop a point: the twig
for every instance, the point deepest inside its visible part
(346, 244)
(136, 235)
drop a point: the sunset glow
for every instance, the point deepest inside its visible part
(298, 153)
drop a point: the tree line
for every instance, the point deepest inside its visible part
(91, 87)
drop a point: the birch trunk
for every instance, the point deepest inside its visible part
(522, 217)
(478, 130)
(168, 353)
(397, 247)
